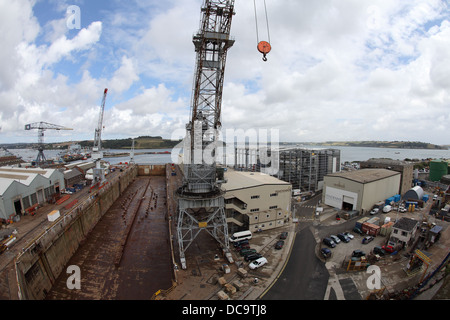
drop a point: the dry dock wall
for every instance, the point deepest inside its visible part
(41, 262)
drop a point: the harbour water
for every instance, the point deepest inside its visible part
(350, 154)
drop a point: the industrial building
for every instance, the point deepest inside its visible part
(254, 201)
(81, 166)
(303, 168)
(22, 188)
(361, 189)
(405, 168)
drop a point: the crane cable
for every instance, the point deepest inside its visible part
(263, 46)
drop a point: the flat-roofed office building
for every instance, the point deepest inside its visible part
(254, 200)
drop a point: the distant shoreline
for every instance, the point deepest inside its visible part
(152, 143)
(379, 144)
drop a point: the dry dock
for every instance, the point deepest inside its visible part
(127, 255)
(118, 237)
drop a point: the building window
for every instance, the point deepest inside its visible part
(254, 210)
(255, 197)
(395, 231)
(404, 234)
(273, 207)
(274, 194)
(256, 217)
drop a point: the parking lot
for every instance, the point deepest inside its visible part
(342, 252)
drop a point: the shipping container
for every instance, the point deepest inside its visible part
(53, 216)
(360, 222)
(386, 228)
(370, 229)
(374, 220)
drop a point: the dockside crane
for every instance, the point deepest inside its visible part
(200, 198)
(97, 152)
(41, 127)
(201, 204)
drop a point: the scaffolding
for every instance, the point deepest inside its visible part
(304, 169)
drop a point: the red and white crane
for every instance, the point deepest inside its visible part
(97, 152)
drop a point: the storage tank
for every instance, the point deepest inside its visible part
(416, 193)
(438, 169)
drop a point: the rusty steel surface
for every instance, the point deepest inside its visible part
(127, 255)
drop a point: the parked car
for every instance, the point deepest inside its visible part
(357, 230)
(279, 245)
(379, 250)
(240, 243)
(367, 239)
(389, 249)
(387, 209)
(335, 239)
(242, 246)
(329, 242)
(252, 256)
(343, 237)
(245, 252)
(326, 253)
(358, 253)
(349, 235)
(257, 263)
(284, 235)
(374, 211)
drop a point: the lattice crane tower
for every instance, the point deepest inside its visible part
(41, 127)
(200, 199)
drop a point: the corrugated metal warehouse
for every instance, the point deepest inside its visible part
(21, 188)
(360, 189)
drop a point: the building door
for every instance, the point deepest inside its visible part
(40, 195)
(348, 203)
(18, 207)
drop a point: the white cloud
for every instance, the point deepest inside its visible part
(338, 70)
(124, 77)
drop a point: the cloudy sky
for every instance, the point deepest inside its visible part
(338, 70)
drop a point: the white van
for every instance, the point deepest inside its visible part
(257, 263)
(386, 209)
(243, 235)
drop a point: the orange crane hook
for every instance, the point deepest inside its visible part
(263, 46)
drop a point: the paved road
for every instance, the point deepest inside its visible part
(305, 276)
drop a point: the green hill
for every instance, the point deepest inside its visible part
(383, 144)
(144, 142)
